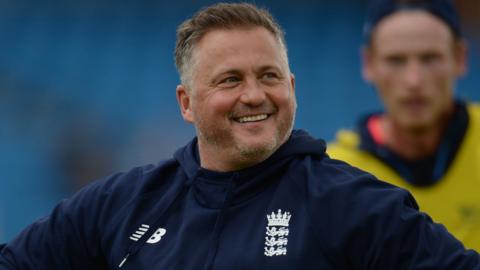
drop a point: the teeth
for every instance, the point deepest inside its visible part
(252, 118)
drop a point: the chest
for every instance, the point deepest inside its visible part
(272, 231)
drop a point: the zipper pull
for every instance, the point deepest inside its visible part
(123, 260)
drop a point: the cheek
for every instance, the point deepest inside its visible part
(293, 103)
(384, 78)
(443, 79)
(389, 78)
(282, 96)
(389, 84)
(440, 85)
(386, 89)
(444, 90)
(391, 99)
(218, 104)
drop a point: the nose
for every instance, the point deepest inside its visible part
(253, 93)
(413, 76)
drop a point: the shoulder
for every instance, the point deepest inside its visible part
(345, 138)
(349, 196)
(474, 110)
(471, 135)
(331, 181)
(141, 179)
(122, 187)
(338, 176)
(346, 147)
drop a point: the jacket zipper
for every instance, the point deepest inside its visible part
(219, 223)
(135, 247)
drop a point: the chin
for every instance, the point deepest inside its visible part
(417, 126)
(257, 150)
(410, 119)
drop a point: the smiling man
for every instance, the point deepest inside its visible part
(240, 97)
(248, 192)
(426, 141)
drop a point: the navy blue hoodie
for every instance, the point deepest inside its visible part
(298, 209)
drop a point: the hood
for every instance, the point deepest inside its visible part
(211, 187)
(300, 143)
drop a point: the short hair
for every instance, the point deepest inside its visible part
(219, 16)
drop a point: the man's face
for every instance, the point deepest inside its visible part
(414, 61)
(241, 100)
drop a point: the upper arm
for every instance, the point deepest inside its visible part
(66, 239)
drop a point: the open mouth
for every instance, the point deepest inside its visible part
(251, 118)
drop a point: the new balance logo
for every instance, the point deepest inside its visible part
(140, 232)
(157, 236)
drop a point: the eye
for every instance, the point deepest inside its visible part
(430, 58)
(269, 76)
(229, 81)
(396, 60)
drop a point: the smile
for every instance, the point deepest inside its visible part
(252, 118)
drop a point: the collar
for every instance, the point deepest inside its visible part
(212, 188)
(427, 171)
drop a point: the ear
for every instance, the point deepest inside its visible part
(461, 57)
(367, 63)
(292, 81)
(183, 99)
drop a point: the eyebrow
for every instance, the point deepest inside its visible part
(268, 67)
(256, 70)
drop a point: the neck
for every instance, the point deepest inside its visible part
(216, 158)
(414, 144)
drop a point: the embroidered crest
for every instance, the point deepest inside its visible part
(276, 238)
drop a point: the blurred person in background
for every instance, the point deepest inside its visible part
(248, 192)
(426, 141)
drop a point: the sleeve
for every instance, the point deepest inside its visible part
(378, 226)
(67, 239)
(398, 236)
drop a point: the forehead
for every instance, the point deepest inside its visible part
(238, 46)
(411, 29)
(229, 40)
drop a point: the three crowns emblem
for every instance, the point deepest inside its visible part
(276, 238)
